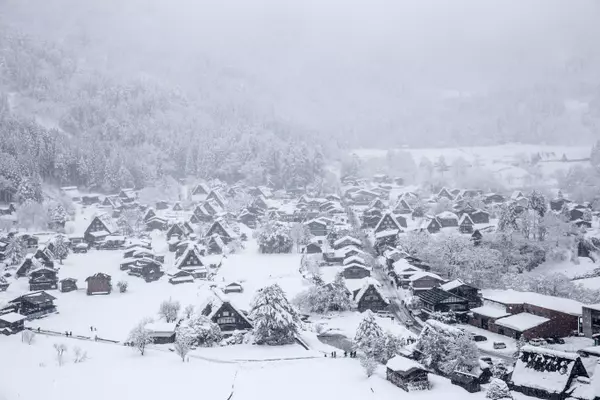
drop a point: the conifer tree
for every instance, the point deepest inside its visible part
(276, 322)
(368, 335)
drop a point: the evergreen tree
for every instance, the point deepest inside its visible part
(441, 166)
(537, 202)
(275, 321)
(507, 220)
(498, 390)
(57, 216)
(61, 249)
(15, 250)
(368, 335)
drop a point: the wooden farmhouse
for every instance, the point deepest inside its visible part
(546, 373)
(12, 323)
(100, 227)
(465, 224)
(33, 305)
(222, 312)
(407, 374)
(370, 297)
(43, 279)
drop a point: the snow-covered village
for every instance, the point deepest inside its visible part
(302, 200)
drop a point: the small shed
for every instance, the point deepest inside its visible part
(67, 285)
(233, 287)
(99, 283)
(407, 374)
(466, 380)
(161, 332)
(313, 248)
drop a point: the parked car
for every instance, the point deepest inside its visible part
(384, 314)
(499, 345)
(550, 340)
(555, 340)
(80, 248)
(538, 342)
(479, 338)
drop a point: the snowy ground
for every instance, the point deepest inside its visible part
(488, 346)
(501, 159)
(118, 372)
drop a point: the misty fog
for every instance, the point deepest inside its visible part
(398, 70)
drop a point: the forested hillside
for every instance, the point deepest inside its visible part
(74, 125)
(117, 92)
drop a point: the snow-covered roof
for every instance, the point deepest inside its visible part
(447, 215)
(354, 284)
(490, 311)
(386, 233)
(99, 233)
(465, 217)
(370, 282)
(346, 239)
(354, 259)
(12, 317)
(357, 265)
(161, 327)
(511, 296)
(186, 253)
(424, 274)
(217, 300)
(526, 374)
(403, 364)
(521, 322)
(453, 285)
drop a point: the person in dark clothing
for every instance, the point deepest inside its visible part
(345, 354)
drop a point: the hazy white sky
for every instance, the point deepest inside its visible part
(362, 61)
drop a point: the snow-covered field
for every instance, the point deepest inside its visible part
(502, 160)
(118, 372)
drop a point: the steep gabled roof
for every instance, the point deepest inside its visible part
(386, 216)
(371, 283)
(216, 301)
(439, 296)
(189, 251)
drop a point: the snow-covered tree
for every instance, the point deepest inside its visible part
(202, 330)
(169, 310)
(57, 216)
(32, 215)
(140, 336)
(131, 222)
(537, 202)
(441, 166)
(369, 364)
(390, 345)
(27, 336)
(60, 349)
(499, 369)
(188, 311)
(322, 298)
(122, 285)
(300, 235)
(507, 221)
(368, 335)
(274, 237)
(498, 390)
(15, 250)
(446, 348)
(61, 248)
(79, 355)
(276, 322)
(183, 343)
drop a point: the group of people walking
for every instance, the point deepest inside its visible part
(346, 353)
